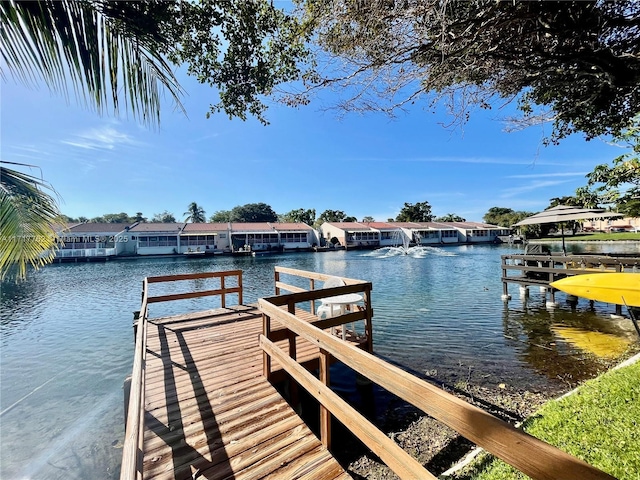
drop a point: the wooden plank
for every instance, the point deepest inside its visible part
(528, 454)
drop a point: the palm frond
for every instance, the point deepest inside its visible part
(68, 43)
(27, 216)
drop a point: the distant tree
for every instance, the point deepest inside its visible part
(116, 218)
(195, 213)
(66, 219)
(164, 217)
(83, 219)
(391, 220)
(330, 216)
(619, 183)
(418, 212)
(450, 217)
(97, 220)
(504, 217)
(221, 216)
(566, 200)
(350, 219)
(368, 219)
(300, 216)
(138, 217)
(253, 212)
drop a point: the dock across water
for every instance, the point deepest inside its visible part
(203, 401)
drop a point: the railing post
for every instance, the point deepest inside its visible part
(266, 358)
(240, 299)
(291, 336)
(276, 280)
(325, 415)
(312, 286)
(223, 301)
(369, 324)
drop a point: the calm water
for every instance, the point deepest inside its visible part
(67, 341)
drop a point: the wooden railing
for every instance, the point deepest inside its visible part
(533, 457)
(132, 454)
(313, 294)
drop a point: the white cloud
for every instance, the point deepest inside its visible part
(105, 138)
(512, 192)
(549, 175)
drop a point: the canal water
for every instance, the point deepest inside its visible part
(67, 344)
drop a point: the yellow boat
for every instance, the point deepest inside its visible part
(617, 288)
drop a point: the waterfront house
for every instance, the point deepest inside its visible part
(156, 238)
(93, 240)
(296, 236)
(351, 234)
(209, 238)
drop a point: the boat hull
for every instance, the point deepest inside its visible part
(616, 288)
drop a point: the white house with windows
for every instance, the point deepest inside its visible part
(156, 238)
(296, 236)
(93, 240)
(207, 238)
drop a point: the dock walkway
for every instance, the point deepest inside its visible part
(209, 411)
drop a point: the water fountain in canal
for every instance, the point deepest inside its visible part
(402, 246)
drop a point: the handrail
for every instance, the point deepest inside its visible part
(528, 454)
(134, 429)
(222, 291)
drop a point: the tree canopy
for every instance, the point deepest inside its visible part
(504, 217)
(575, 63)
(300, 216)
(450, 217)
(415, 212)
(164, 217)
(253, 212)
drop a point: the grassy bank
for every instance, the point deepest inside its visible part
(582, 237)
(600, 424)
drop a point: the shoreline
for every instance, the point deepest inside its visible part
(442, 449)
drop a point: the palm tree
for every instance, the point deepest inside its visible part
(99, 48)
(195, 213)
(109, 57)
(27, 218)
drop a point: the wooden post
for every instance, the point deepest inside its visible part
(223, 299)
(291, 336)
(240, 299)
(369, 323)
(276, 280)
(325, 415)
(266, 358)
(312, 286)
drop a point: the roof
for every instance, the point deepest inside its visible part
(158, 228)
(291, 226)
(91, 227)
(350, 226)
(383, 225)
(252, 227)
(205, 228)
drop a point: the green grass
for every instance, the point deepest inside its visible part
(599, 424)
(581, 237)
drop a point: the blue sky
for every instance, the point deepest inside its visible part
(365, 165)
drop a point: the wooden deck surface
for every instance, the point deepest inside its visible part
(210, 413)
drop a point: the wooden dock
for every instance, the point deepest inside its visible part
(209, 409)
(202, 402)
